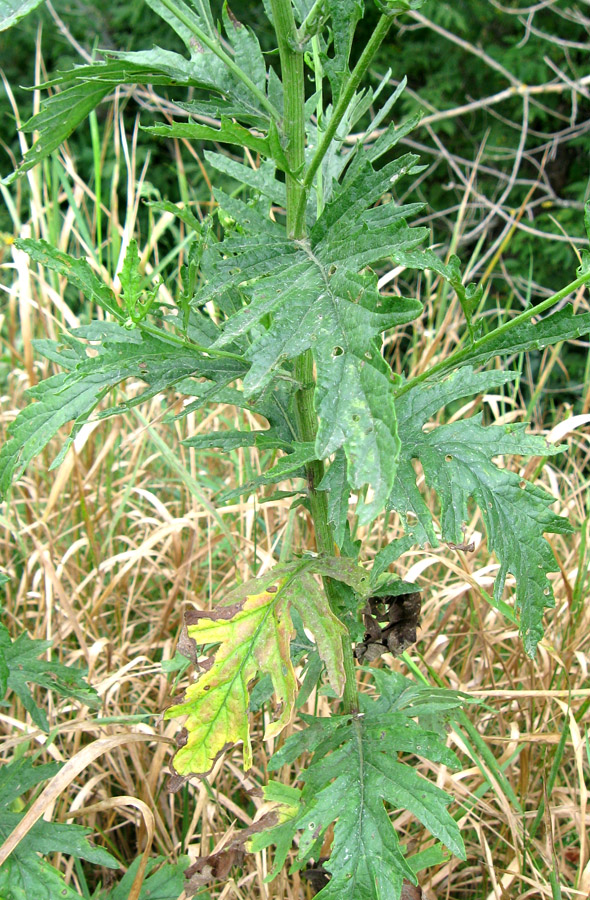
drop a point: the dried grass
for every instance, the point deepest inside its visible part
(106, 552)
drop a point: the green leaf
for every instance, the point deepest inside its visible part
(228, 133)
(319, 301)
(338, 488)
(289, 466)
(166, 884)
(432, 856)
(25, 874)
(182, 212)
(584, 267)
(345, 570)
(130, 276)
(353, 774)
(400, 694)
(77, 271)
(206, 69)
(470, 296)
(345, 15)
(261, 180)
(355, 387)
(59, 400)
(85, 86)
(20, 663)
(286, 805)
(56, 121)
(194, 17)
(247, 52)
(73, 395)
(231, 440)
(158, 360)
(457, 463)
(253, 628)
(12, 11)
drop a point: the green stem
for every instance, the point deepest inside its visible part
(356, 76)
(218, 50)
(294, 109)
(166, 337)
(294, 130)
(318, 504)
(460, 355)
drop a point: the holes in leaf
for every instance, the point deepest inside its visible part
(337, 351)
(448, 457)
(355, 417)
(522, 484)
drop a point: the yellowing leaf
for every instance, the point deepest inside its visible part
(254, 629)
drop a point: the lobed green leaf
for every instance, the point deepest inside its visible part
(353, 774)
(25, 874)
(457, 462)
(12, 11)
(20, 666)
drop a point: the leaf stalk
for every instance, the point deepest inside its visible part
(455, 358)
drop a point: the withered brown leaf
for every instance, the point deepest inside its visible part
(390, 625)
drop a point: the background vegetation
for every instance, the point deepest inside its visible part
(104, 553)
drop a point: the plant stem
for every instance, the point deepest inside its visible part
(294, 131)
(318, 504)
(168, 338)
(294, 110)
(460, 355)
(356, 76)
(218, 50)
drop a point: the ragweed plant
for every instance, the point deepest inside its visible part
(279, 312)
